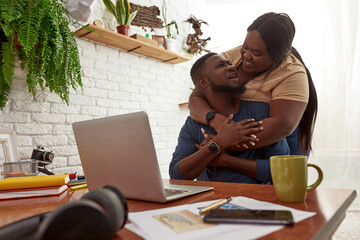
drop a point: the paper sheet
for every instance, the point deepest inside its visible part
(182, 222)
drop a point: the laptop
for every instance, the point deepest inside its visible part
(119, 151)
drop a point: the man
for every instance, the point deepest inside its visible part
(207, 159)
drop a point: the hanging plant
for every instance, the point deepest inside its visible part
(46, 47)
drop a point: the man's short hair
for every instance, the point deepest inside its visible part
(195, 69)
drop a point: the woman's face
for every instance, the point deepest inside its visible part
(256, 58)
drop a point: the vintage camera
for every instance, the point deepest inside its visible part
(45, 157)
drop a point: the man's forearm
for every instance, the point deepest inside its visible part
(192, 166)
(243, 165)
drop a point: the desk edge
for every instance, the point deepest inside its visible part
(328, 230)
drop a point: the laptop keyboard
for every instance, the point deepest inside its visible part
(170, 192)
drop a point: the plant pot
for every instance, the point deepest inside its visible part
(123, 29)
(16, 41)
(170, 44)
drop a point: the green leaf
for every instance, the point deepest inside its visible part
(132, 16)
(7, 49)
(120, 12)
(27, 29)
(5, 85)
(110, 6)
(5, 90)
(127, 11)
(168, 25)
(164, 12)
(10, 9)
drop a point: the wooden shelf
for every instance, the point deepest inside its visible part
(185, 104)
(129, 44)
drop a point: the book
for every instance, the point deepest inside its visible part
(33, 192)
(77, 181)
(34, 182)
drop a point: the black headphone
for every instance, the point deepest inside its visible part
(99, 214)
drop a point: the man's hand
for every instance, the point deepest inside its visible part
(207, 139)
(231, 133)
(241, 145)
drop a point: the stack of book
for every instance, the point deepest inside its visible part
(79, 180)
(33, 186)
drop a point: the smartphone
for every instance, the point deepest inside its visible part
(282, 217)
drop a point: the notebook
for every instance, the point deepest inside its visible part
(34, 181)
(33, 192)
(119, 151)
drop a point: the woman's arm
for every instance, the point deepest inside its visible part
(199, 107)
(284, 117)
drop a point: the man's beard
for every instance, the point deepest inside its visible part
(226, 88)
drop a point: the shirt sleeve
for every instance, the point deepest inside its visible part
(294, 85)
(233, 55)
(184, 148)
(263, 171)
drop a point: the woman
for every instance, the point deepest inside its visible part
(276, 75)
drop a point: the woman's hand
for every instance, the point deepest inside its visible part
(231, 133)
(244, 127)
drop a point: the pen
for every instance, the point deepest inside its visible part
(78, 186)
(214, 205)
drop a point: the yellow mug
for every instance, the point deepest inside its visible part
(290, 177)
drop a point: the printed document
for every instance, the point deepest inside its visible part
(184, 222)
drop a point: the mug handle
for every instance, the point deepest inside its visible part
(319, 179)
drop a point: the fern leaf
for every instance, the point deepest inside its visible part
(7, 29)
(5, 88)
(44, 56)
(8, 61)
(30, 79)
(27, 31)
(11, 9)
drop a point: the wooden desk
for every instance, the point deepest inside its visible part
(329, 204)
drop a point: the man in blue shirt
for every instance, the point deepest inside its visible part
(208, 159)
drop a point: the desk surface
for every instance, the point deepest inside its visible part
(329, 204)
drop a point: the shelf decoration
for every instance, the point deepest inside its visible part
(195, 43)
(129, 44)
(121, 11)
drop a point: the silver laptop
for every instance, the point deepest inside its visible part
(120, 151)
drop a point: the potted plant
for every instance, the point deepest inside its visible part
(46, 47)
(121, 11)
(170, 36)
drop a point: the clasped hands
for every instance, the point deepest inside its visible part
(232, 136)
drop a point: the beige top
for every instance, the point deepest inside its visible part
(288, 81)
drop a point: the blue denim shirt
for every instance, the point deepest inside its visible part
(190, 135)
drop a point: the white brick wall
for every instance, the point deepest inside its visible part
(115, 82)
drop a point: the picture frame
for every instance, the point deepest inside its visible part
(161, 40)
(8, 146)
(4, 151)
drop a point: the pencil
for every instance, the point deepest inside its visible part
(214, 205)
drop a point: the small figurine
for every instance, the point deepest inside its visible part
(196, 45)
